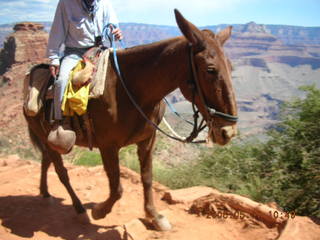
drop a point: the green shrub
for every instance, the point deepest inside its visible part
(88, 159)
(285, 169)
(129, 158)
(293, 156)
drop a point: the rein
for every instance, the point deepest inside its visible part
(197, 128)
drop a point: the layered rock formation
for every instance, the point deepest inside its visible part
(267, 72)
(27, 43)
(296, 35)
(136, 34)
(23, 48)
(254, 45)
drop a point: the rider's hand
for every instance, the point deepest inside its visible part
(54, 70)
(118, 33)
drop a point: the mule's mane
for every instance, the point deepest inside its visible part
(145, 48)
(166, 61)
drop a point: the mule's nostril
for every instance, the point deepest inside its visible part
(225, 134)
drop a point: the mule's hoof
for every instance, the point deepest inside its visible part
(48, 200)
(161, 223)
(98, 212)
(45, 195)
(83, 218)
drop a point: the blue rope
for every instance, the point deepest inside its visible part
(171, 107)
(107, 32)
(112, 40)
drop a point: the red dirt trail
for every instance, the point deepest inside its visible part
(25, 215)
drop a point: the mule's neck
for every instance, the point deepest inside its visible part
(152, 71)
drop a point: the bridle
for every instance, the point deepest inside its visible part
(194, 84)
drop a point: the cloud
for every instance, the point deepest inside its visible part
(200, 12)
(143, 5)
(43, 1)
(145, 11)
(29, 10)
(161, 11)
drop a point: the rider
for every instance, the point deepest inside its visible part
(78, 25)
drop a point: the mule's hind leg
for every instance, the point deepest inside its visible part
(45, 163)
(64, 178)
(111, 165)
(145, 150)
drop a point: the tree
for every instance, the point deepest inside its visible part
(292, 156)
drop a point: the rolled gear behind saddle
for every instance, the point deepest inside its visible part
(35, 84)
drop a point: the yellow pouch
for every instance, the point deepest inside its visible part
(75, 100)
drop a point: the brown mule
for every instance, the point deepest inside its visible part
(150, 72)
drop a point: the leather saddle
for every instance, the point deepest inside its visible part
(39, 92)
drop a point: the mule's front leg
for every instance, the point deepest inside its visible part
(111, 165)
(64, 178)
(145, 149)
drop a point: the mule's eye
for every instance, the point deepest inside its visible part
(212, 70)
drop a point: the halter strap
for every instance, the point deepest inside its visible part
(195, 83)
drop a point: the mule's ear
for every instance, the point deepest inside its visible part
(224, 35)
(190, 31)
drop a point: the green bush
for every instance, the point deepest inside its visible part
(89, 159)
(233, 168)
(284, 169)
(129, 158)
(292, 156)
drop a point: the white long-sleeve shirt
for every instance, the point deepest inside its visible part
(73, 27)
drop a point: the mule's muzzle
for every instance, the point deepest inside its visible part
(228, 132)
(222, 135)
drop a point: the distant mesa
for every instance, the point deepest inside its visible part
(28, 43)
(252, 27)
(28, 26)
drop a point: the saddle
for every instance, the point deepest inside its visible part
(39, 88)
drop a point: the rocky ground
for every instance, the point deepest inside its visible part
(25, 215)
(23, 48)
(14, 136)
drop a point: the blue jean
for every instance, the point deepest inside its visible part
(68, 62)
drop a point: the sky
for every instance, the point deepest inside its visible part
(200, 12)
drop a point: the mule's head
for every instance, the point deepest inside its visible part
(213, 73)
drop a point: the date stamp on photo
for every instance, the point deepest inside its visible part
(224, 214)
(279, 214)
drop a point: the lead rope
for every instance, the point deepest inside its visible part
(186, 140)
